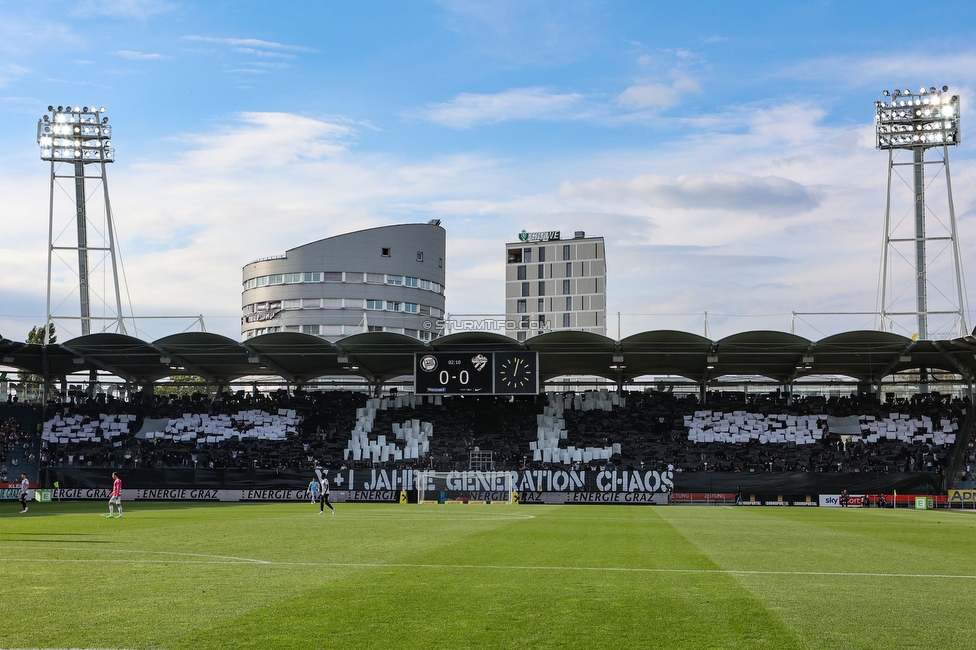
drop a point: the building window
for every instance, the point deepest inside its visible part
(565, 251)
(311, 303)
(411, 308)
(542, 321)
(423, 336)
(569, 303)
(420, 257)
(569, 269)
(331, 330)
(374, 304)
(565, 287)
(542, 305)
(375, 278)
(520, 307)
(310, 329)
(392, 305)
(521, 272)
(520, 336)
(331, 303)
(565, 320)
(292, 277)
(411, 333)
(328, 276)
(440, 262)
(542, 253)
(542, 288)
(394, 280)
(375, 328)
(524, 324)
(385, 251)
(527, 255)
(515, 256)
(412, 282)
(542, 271)
(525, 288)
(291, 304)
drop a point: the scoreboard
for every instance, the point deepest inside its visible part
(476, 373)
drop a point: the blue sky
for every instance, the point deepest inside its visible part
(725, 150)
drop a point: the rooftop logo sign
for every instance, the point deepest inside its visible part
(549, 235)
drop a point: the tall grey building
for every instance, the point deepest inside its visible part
(554, 284)
(386, 279)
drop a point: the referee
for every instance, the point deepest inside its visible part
(324, 495)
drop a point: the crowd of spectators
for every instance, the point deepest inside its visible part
(645, 431)
(651, 430)
(18, 440)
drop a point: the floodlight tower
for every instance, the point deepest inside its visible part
(919, 122)
(73, 138)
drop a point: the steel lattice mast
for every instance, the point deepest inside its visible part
(75, 138)
(918, 122)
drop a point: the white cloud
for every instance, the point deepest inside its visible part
(650, 95)
(263, 53)
(469, 109)
(11, 72)
(250, 44)
(21, 37)
(889, 70)
(133, 55)
(768, 195)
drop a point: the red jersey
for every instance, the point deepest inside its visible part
(117, 488)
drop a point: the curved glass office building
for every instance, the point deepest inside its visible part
(386, 279)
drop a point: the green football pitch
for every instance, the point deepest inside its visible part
(181, 575)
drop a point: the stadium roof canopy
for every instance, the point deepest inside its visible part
(867, 356)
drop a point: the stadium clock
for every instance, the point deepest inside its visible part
(516, 373)
(453, 373)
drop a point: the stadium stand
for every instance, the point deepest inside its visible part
(731, 433)
(19, 449)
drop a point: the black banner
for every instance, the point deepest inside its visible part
(586, 481)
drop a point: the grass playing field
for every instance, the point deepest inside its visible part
(180, 575)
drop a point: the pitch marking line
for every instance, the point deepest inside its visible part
(229, 559)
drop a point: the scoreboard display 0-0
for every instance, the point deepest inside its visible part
(476, 373)
(453, 373)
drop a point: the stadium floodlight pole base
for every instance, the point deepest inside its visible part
(465, 487)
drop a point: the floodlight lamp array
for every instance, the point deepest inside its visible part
(78, 134)
(907, 120)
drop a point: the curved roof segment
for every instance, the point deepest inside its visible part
(380, 356)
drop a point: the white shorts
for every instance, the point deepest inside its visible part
(116, 500)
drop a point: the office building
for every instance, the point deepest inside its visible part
(386, 279)
(554, 284)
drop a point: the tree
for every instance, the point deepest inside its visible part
(36, 335)
(185, 386)
(31, 385)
